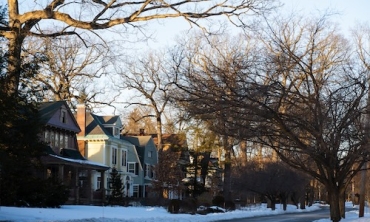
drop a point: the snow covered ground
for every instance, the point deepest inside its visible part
(78, 213)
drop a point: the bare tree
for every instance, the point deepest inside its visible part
(69, 71)
(301, 90)
(206, 76)
(151, 81)
(271, 179)
(33, 18)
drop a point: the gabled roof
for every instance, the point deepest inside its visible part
(140, 143)
(48, 109)
(95, 124)
(138, 140)
(108, 119)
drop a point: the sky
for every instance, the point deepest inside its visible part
(346, 13)
(76, 213)
(166, 32)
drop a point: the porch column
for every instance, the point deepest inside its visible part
(76, 186)
(102, 186)
(61, 173)
(89, 185)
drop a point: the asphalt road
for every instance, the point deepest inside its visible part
(290, 217)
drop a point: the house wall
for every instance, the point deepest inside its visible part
(101, 152)
(96, 151)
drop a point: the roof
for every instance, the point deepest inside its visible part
(71, 157)
(172, 140)
(95, 124)
(107, 119)
(48, 109)
(137, 140)
(72, 154)
(55, 159)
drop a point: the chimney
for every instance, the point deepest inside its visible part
(81, 119)
(142, 132)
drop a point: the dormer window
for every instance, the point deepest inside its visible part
(116, 131)
(63, 116)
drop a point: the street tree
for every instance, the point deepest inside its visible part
(202, 71)
(301, 90)
(73, 17)
(272, 180)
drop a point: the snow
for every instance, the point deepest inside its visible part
(352, 215)
(80, 213)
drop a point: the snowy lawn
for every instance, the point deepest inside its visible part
(78, 213)
(352, 216)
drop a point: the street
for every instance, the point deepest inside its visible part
(292, 217)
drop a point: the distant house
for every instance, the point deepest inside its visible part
(64, 160)
(176, 144)
(148, 156)
(100, 141)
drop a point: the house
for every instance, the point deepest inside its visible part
(148, 156)
(100, 141)
(174, 146)
(64, 160)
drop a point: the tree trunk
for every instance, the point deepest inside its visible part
(342, 203)
(334, 201)
(159, 132)
(284, 201)
(14, 63)
(227, 170)
(273, 203)
(302, 202)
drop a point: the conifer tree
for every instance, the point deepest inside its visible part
(116, 184)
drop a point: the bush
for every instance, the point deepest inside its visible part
(188, 205)
(205, 199)
(218, 201)
(42, 193)
(230, 205)
(174, 206)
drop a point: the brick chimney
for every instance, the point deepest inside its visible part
(81, 119)
(141, 132)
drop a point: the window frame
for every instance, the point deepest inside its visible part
(129, 170)
(124, 158)
(114, 156)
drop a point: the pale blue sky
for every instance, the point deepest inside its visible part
(348, 14)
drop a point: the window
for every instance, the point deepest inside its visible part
(124, 158)
(131, 168)
(61, 140)
(46, 138)
(148, 170)
(114, 155)
(98, 181)
(66, 145)
(63, 116)
(150, 154)
(116, 131)
(56, 139)
(52, 140)
(135, 189)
